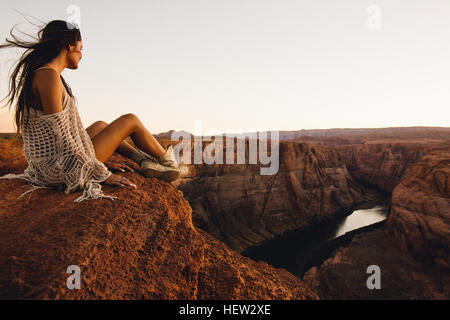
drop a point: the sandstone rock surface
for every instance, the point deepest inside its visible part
(142, 245)
(420, 217)
(381, 164)
(241, 207)
(413, 248)
(344, 275)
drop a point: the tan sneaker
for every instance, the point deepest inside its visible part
(152, 169)
(168, 158)
(184, 171)
(165, 167)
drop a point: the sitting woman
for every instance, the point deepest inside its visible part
(60, 152)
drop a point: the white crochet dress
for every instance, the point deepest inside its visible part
(60, 153)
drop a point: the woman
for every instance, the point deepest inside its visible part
(60, 152)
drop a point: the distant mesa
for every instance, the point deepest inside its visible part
(168, 134)
(343, 136)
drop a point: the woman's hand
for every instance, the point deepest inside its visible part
(118, 166)
(116, 180)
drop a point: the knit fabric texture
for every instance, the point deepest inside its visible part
(60, 153)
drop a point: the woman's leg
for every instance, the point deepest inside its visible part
(111, 137)
(124, 148)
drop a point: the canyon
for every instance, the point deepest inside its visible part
(184, 240)
(318, 182)
(243, 208)
(142, 245)
(412, 249)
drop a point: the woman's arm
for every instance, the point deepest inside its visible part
(48, 85)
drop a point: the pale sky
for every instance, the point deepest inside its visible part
(247, 65)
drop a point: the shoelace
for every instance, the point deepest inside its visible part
(170, 155)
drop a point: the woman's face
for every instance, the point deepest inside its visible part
(74, 55)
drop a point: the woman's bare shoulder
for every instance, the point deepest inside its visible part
(44, 77)
(47, 87)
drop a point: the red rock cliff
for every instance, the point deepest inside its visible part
(420, 216)
(412, 250)
(381, 164)
(241, 207)
(141, 246)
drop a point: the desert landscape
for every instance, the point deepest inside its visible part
(228, 232)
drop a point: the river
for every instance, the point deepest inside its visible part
(299, 250)
(361, 218)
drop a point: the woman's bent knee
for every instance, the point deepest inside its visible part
(131, 119)
(100, 123)
(96, 127)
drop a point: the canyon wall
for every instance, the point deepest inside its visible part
(412, 250)
(380, 164)
(241, 207)
(142, 245)
(420, 215)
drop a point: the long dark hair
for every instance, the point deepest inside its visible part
(52, 38)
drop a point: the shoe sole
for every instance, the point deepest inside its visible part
(167, 176)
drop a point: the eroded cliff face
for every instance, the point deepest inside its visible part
(381, 164)
(420, 216)
(344, 275)
(241, 207)
(142, 245)
(412, 250)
